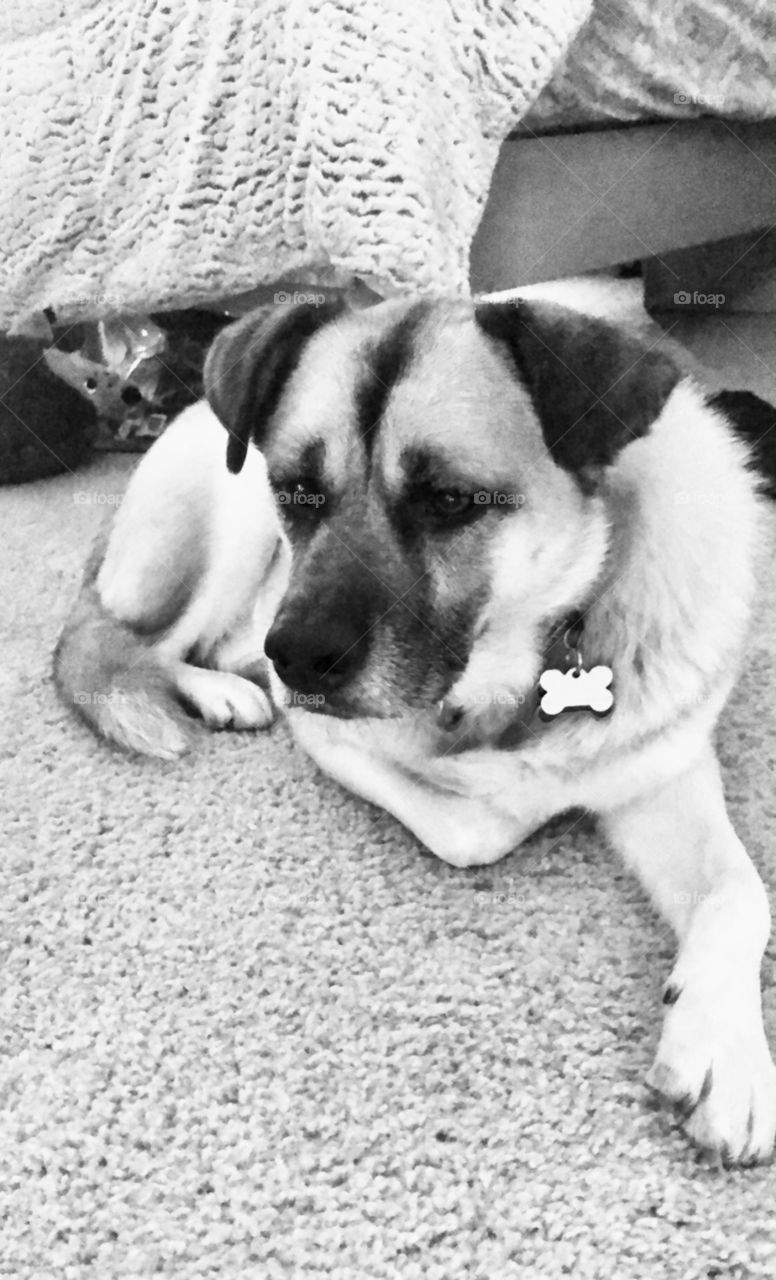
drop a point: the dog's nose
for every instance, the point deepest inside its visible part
(316, 659)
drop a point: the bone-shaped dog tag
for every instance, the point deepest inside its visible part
(576, 689)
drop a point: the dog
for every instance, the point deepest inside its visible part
(394, 524)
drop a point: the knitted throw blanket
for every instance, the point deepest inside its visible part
(166, 152)
(163, 153)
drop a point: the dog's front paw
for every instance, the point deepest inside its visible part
(225, 700)
(714, 1065)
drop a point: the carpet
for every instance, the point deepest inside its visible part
(250, 1029)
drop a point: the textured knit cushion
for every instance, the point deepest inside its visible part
(641, 59)
(164, 154)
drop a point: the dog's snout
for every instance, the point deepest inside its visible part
(319, 657)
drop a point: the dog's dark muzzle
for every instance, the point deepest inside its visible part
(321, 638)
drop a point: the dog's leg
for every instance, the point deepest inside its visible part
(713, 1059)
(456, 829)
(176, 606)
(226, 693)
(222, 698)
(460, 830)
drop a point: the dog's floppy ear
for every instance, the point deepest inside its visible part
(753, 419)
(594, 388)
(250, 363)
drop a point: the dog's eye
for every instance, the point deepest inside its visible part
(449, 503)
(300, 497)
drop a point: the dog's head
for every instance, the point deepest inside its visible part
(420, 453)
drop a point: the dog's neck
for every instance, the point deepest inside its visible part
(673, 568)
(564, 647)
(673, 579)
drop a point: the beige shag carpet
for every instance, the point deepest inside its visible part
(250, 1030)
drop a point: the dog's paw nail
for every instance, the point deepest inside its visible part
(685, 1106)
(450, 715)
(671, 993)
(708, 1081)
